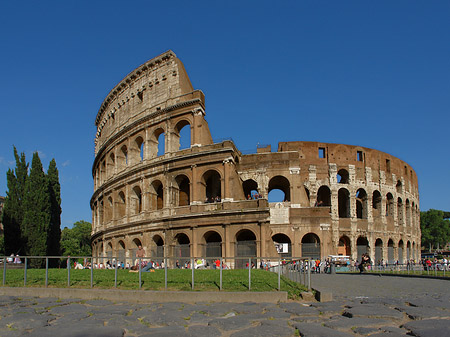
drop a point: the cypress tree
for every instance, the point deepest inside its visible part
(37, 215)
(13, 210)
(54, 232)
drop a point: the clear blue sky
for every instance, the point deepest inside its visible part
(369, 73)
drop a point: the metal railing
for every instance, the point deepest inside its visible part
(295, 269)
(435, 269)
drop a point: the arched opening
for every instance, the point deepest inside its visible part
(123, 156)
(408, 251)
(121, 251)
(160, 142)
(182, 135)
(344, 246)
(361, 204)
(111, 165)
(279, 189)
(343, 177)
(213, 188)
(250, 189)
(133, 250)
(399, 186)
(139, 144)
(311, 246)
(400, 211)
(391, 251)
(184, 198)
(157, 195)
(213, 245)
(109, 251)
(400, 252)
(376, 203)
(389, 205)
(344, 203)
(182, 249)
(136, 200)
(408, 213)
(158, 247)
(282, 245)
(245, 247)
(108, 209)
(378, 251)
(362, 247)
(121, 205)
(323, 197)
(413, 252)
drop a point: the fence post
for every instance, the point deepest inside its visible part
(309, 275)
(4, 270)
(46, 270)
(140, 264)
(68, 271)
(165, 273)
(279, 274)
(115, 274)
(192, 268)
(92, 272)
(25, 273)
(249, 273)
(221, 273)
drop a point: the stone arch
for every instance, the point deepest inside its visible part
(389, 205)
(400, 211)
(157, 246)
(250, 188)
(324, 196)
(408, 213)
(121, 205)
(376, 203)
(158, 139)
(400, 251)
(344, 203)
(408, 250)
(391, 251)
(122, 157)
(311, 246)
(109, 209)
(378, 251)
(136, 200)
(344, 246)
(361, 204)
(343, 177)
(111, 164)
(182, 247)
(362, 247)
(120, 251)
(135, 243)
(139, 148)
(213, 244)
(282, 244)
(182, 135)
(184, 191)
(399, 186)
(156, 195)
(282, 184)
(109, 251)
(211, 180)
(245, 246)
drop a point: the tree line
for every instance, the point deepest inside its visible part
(31, 214)
(435, 227)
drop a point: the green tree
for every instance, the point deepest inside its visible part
(13, 211)
(37, 211)
(54, 232)
(435, 229)
(76, 241)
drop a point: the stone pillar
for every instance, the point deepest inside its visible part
(196, 135)
(227, 166)
(194, 185)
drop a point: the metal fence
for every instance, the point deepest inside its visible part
(435, 269)
(295, 269)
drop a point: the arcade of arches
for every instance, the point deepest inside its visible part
(160, 181)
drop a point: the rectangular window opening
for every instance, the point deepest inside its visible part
(359, 156)
(321, 152)
(388, 166)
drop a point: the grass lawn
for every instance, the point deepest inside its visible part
(177, 279)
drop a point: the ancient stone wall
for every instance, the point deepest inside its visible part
(209, 199)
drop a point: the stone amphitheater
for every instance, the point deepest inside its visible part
(209, 199)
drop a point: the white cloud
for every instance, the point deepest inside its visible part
(66, 163)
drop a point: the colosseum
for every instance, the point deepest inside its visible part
(209, 199)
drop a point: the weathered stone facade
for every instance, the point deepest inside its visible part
(338, 199)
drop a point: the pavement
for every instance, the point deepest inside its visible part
(363, 305)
